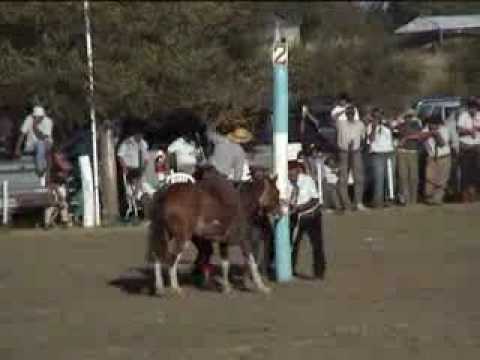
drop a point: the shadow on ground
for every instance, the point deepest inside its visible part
(140, 280)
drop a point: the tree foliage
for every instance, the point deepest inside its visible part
(154, 56)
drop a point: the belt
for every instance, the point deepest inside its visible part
(353, 151)
(467, 147)
(440, 157)
(408, 151)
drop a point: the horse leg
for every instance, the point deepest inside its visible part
(174, 261)
(157, 268)
(227, 287)
(157, 251)
(257, 278)
(253, 267)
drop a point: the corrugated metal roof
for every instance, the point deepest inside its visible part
(435, 23)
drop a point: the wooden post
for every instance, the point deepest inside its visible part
(108, 174)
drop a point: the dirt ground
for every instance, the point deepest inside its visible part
(401, 284)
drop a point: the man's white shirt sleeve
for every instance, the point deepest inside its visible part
(27, 125)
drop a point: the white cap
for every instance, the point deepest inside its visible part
(38, 111)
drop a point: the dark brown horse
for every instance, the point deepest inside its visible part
(210, 210)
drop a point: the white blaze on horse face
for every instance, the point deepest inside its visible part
(257, 279)
(159, 287)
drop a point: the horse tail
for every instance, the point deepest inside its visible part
(158, 236)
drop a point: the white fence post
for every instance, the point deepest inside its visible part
(88, 191)
(5, 202)
(319, 164)
(390, 179)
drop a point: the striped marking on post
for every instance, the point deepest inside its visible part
(280, 54)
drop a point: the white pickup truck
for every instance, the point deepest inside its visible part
(24, 190)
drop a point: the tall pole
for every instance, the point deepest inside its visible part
(283, 259)
(88, 37)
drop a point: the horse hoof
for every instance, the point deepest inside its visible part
(178, 292)
(265, 290)
(157, 292)
(227, 289)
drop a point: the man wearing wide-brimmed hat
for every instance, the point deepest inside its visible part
(228, 156)
(240, 136)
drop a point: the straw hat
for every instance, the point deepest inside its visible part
(240, 136)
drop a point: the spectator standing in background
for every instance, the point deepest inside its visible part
(380, 141)
(133, 158)
(339, 111)
(437, 171)
(184, 154)
(407, 158)
(469, 130)
(350, 135)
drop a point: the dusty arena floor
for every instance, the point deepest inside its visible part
(401, 284)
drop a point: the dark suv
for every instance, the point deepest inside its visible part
(321, 132)
(301, 129)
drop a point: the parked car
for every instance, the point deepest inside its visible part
(321, 132)
(301, 129)
(437, 105)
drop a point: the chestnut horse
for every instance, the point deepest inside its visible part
(210, 210)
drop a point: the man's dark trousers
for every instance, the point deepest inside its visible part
(312, 224)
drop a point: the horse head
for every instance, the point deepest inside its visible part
(269, 199)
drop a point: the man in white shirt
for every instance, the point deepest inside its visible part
(338, 113)
(330, 179)
(133, 158)
(305, 216)
(468, 126)
(350, 135)
(380, 141)
(437, 172)
(184, 153)
(36, 131)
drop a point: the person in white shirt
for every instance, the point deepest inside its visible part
(330, 179)
(338, 113)
(36, 131)
(305, 216)
(133, 159)
(468, 126)
(350, 135)
(380, 141)
(184, 154)
(437, 171)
